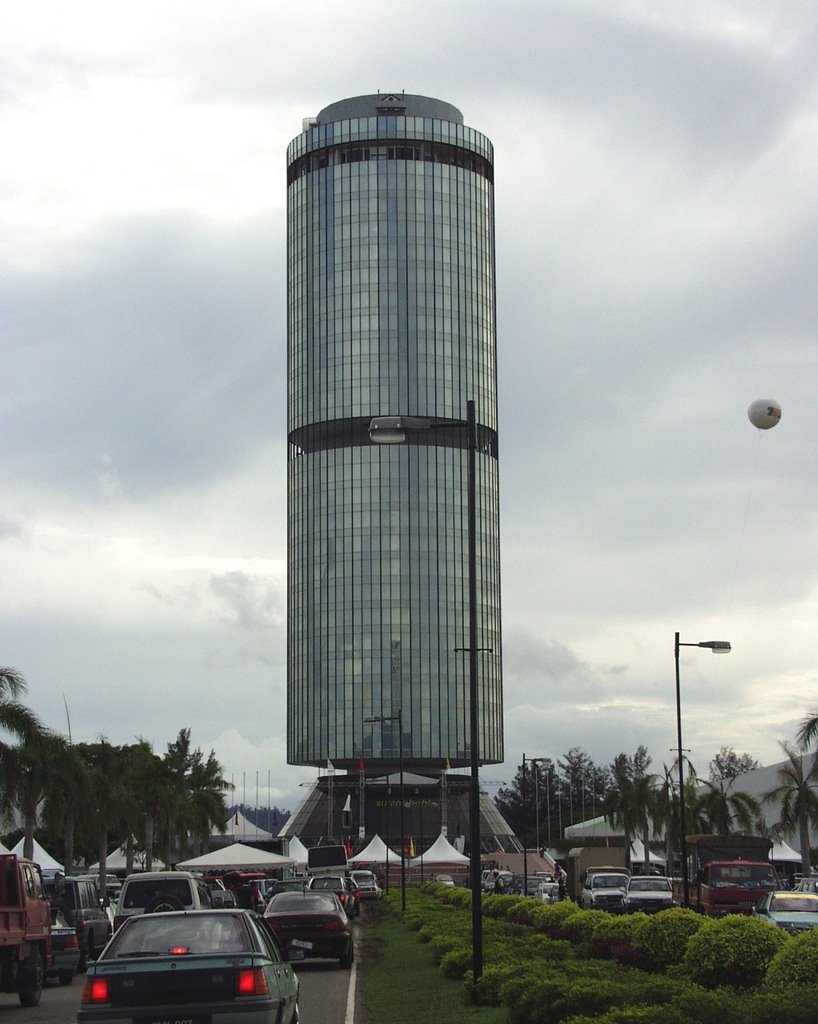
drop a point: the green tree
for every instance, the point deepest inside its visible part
(726, 811)
(631, 803)
(727, 765)
(797, 793)
(40, 763)
(21, 723)
(808, 731)
(197, 790)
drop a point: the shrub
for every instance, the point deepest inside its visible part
(732, 951)
(663, 937)
(488, 990)
(796, 963)
(541, 947)
(613, 938)
(456, 962)
(579, 927)
(551, 916)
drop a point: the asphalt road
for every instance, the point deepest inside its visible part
(323, 998)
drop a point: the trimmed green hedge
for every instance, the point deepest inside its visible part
(795, 965)
(732, 951)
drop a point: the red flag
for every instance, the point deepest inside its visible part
(349, 847)
(361, 764)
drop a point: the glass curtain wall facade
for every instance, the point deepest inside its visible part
(391, 312)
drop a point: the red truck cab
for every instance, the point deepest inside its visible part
(729, 873)
(25, 929)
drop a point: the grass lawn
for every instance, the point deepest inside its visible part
(401, 983)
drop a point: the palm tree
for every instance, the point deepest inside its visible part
(808, 732)
(630, 804)
(726, 811)
(797, 792)
(21, 723)
(39, 765)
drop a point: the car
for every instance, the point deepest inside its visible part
(444, 879)
(79, 901)
(314, 922)
(790, 911)
(520, 885)
(278, 885)
(152, 892)
(489, 877)
(808, 884)
(368, 888)
(548, 892)
(604, 891)
(342, 886)
(221, 966)
(65, 949)
(648, 893)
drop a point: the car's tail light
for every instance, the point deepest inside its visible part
(251, 981)
(70, 942)
(95, 991)
(333, 926)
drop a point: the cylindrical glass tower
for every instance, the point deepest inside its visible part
(391, 286)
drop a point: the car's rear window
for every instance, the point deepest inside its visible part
(184, 934)
(139, 892)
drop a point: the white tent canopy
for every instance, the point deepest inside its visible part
(117, 860)
(235, 857)
(298, 851)
(440, 852)
(4, 849)
(48, 865)
(638, 854)
(240, 829)
(376, 852)
(782, 851)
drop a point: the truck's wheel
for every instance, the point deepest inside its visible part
(31, 982)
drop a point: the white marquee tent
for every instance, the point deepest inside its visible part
(241, 830)
(48, 865)
(376, 852)
(298, 851)
(236, 856)
(440, 852)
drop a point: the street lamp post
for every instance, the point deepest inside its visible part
(717, 647)
(399, 719)
(393, 430)
(535, 761)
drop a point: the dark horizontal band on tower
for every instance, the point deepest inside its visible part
(354, 432)
(405, 149)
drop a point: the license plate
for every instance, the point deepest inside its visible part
(301, 944)
(196, 1018)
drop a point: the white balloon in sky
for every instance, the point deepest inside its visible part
(764, 413)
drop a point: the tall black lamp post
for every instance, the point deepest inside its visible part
(393, 430)
(717, 647)
(399, 719)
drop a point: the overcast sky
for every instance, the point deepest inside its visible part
(657, 244)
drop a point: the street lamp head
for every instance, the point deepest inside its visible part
(717, 646)
(393, 429)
